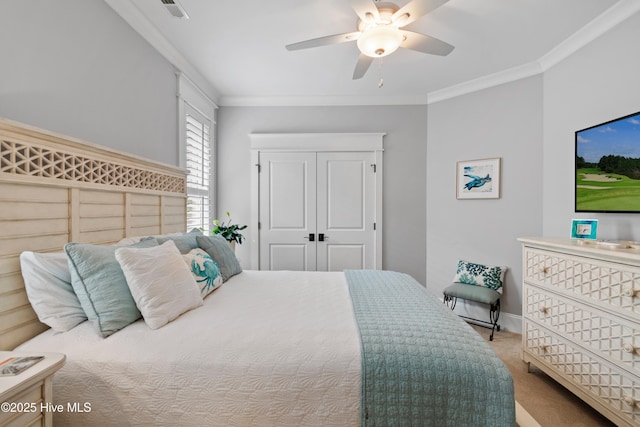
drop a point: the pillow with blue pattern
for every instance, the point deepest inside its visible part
(470, 273)
(204, 269)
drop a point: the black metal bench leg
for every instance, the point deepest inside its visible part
(494, 315)
(450, 301)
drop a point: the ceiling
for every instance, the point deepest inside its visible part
(236, 51)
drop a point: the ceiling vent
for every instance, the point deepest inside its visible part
(175, 9)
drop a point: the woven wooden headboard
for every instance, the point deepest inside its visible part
(55, 189)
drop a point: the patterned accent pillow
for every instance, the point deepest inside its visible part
(204, 269)
(470, 273)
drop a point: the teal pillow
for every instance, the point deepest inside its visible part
(101, 287)
(218, 248)
(184, 243)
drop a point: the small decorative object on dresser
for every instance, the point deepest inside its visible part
(26, 396)
(581, 321)
(584, 229)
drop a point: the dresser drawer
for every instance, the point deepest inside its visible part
(25, 408)
(609, 285)
(611, 338)
(611, 386)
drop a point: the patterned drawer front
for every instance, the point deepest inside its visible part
(613, 286)
(607, 383)
(26, 410)
(611, 338)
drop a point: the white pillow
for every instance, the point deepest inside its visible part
(160, 282)
(47, 281)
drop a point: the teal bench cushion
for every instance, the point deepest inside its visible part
(472, 293)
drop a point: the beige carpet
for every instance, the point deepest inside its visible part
(546, 401)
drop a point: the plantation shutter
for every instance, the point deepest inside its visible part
(198, 164)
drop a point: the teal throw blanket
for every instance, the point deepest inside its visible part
(421, 364)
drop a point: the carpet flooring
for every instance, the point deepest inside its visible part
(546, 401)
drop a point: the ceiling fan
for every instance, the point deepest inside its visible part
(380, 32)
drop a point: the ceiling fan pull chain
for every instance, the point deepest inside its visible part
(381, 80)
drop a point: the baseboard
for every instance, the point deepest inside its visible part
(507, 321)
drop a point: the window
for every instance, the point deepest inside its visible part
(197, 128)
(198, 164)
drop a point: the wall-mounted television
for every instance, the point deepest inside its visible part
(608, 166)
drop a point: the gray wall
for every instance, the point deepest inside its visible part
(506, 122)
(76, 68)
(596, 84)
(404, 167)
(530, 124)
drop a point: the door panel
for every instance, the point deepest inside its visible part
(342, 257)
(288, 257)
(288, 190)
(287, 211)
(344, 194)
(346, 210)
(317, 211)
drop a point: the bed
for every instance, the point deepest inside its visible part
(264, 348)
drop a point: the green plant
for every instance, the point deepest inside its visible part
(230, 232)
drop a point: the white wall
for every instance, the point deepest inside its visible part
(506, 122)
(598, 83)
(76, 68)
(404, 167)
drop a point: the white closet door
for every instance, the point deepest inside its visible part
(345, 211)
(287, 211)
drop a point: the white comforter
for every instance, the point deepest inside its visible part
(267, 348)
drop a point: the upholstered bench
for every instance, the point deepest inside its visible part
(479, 283)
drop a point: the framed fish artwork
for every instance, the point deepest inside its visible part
(478, 179)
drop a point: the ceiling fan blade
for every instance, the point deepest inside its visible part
(323, 41)
(414, 10)
(366, 10)
(363, 64)
(425, 44)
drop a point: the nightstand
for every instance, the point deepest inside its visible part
(24, 397)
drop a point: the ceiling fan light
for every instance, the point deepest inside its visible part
(379, 41)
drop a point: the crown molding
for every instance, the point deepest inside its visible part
(320, 101)
(132, 16)
(485, 82)
(611, 17)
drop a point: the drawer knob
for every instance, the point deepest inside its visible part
(630, 292)
(544, 270)
(544, 347)
(628, 348)
(544, 310)
(629, 400)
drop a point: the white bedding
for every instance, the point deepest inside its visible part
(267, 348)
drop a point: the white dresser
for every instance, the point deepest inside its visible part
(581, 321)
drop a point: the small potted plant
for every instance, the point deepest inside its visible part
(230, 232)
